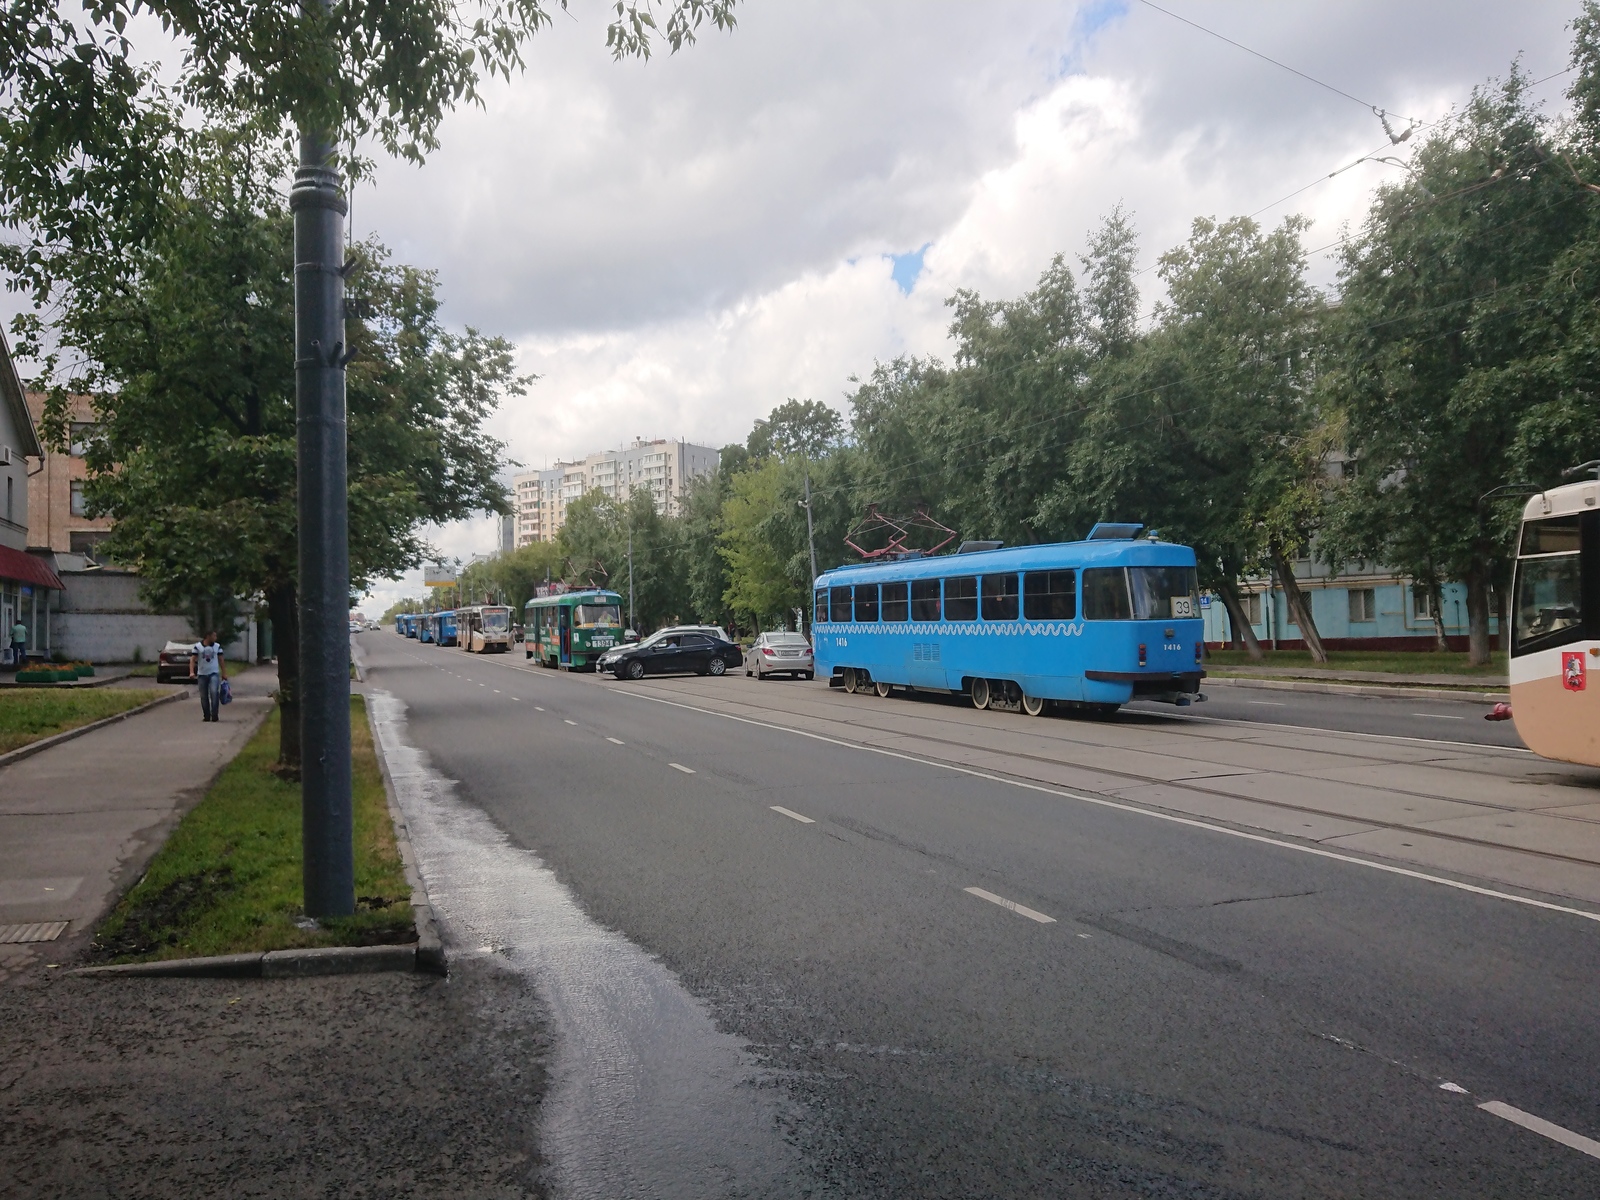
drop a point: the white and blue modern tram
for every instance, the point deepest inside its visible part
(1092, 624)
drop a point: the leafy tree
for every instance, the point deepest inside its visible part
(186, 351)
(594, 540)
(760, 583)
(1444, 293)
(803, 427)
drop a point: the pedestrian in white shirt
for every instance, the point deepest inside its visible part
(206, 667)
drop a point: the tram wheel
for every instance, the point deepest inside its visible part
(882, 689)
(850, 684)
(980, 693)
(1032, 705)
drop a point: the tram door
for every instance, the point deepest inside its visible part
(564, 625)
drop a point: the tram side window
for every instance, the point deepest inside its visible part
(924, 599)
(1105, 594)
(866, 602)
(1050, 595)
(999, 594)
(1549, 611)
(895, 604)
(821, 615)
(961, 598)
(840, 596)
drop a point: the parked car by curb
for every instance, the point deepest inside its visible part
(780, 652)
(673, 653)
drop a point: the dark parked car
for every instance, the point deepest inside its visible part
(173, 664)
(673, 654)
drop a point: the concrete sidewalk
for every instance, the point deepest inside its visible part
(1436, 679)
(79, 821)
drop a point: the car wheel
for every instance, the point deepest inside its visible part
(1033, 705)
(748, 672)
(809, 674)
(717, 667)
(635, 669)
(980, 693)
(527, 653)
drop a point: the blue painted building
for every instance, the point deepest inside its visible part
(1365, 609)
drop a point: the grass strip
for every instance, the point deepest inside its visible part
(228, 880)
(28, 714)
(1394, 662)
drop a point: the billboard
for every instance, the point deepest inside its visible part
(438, 574)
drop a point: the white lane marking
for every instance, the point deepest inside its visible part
(1270, 703)
(681, 767)
(570, 722)
(1539, 1125)
(616, 741)
(778, 808)
(1172, 818)
(1019, 909)
(1447, 1086)
(497, 691)
(538, 708)
(1438, 717)
(1086, 936)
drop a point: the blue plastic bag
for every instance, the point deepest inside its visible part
(225, 692)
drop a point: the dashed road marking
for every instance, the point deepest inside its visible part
(1019, 909)
(616, 741)
(681, 767)
(1270, 703)
(1539, 1125)
(1156, 815)
(569, 722)
(497, 691)
(538, 708)
(778, 808)
(1438, 716)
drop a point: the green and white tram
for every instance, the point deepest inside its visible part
(572, 630)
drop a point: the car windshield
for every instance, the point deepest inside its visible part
(596, 616)
(1163, 593)
(496, 620)
(1548, 591)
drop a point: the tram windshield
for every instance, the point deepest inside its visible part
(1548, 591)
(496, 620)
(1163, 593)
(596, 616)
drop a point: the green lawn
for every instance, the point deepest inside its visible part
(28, 714)
(228, 879)
(1398, 662)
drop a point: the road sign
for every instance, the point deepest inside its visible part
(438, 574)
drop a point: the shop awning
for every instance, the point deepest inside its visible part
(17, 567)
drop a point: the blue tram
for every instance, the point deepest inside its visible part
(1092, 624)
(442, 628)
(405, 624)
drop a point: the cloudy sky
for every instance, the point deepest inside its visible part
(677, 246)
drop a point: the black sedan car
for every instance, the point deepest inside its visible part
(673, 654)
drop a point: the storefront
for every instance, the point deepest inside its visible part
(29, 589)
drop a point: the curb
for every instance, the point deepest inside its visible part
(1396, 691)
(430, 954)
(42, 744)
(270, 964)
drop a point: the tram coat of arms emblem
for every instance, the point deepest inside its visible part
(1572, 671)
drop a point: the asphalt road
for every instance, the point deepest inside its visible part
(1175, 1013)
(1452, 720)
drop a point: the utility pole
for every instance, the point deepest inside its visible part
(811, 535)
(319, 360)
(631, 625)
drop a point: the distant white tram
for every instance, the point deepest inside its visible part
(1555, 632)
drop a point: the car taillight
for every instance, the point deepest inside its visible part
(766, 650)
(1142, 654)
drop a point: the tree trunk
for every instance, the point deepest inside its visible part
(1477, 618)
(1441, 640)
(1502, 611)
(1299, 606)
(1244, 637)
(283, 605)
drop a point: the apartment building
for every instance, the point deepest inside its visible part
(662, 465)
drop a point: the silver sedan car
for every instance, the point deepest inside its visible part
(780, 653)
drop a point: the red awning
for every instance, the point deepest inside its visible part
(26, 569)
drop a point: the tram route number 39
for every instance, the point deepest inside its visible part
(1182, 606)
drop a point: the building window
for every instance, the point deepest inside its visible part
(11, 514)
(82, 435)
(1421, 603)
(1363, 604)
(78, 506)
(1251, 602)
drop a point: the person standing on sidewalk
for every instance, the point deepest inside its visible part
(207, 668)
(19, 644)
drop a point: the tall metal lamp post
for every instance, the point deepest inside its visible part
(319, 371)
